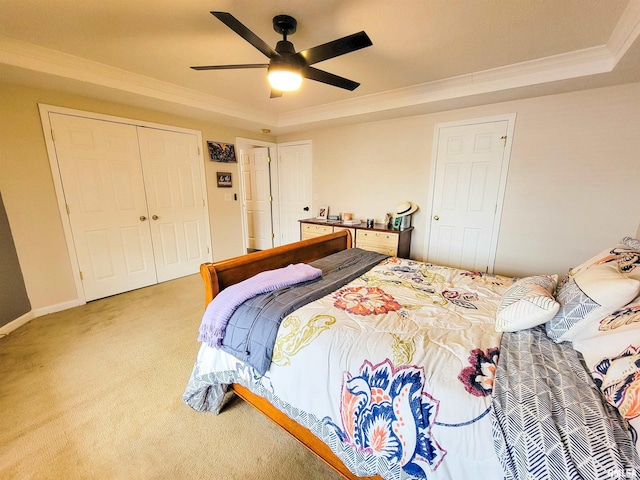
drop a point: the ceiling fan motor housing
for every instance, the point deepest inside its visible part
(285, 25)
(287, 58)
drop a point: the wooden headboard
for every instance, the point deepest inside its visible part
(219, 275)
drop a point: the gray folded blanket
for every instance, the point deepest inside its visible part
(251, 331)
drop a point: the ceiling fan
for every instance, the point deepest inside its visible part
(286, 67)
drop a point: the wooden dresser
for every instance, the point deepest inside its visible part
(379, 238)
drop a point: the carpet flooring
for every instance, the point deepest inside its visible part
(94, 392)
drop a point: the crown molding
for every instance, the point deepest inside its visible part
(549, 69)
(580, 63)
(33, 57)
(626, 31)
(590, 61)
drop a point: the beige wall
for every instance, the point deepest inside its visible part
(572, 187)
(28, 192)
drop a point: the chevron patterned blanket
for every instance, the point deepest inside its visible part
(549, 418)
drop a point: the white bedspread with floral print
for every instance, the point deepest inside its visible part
(394, 371)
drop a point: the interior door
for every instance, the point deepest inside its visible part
(175, 198)
(470, 164)
(100, 168)
(256, 178)
(294, 173)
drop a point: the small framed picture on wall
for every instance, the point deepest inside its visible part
(224, 179)
(221, 152)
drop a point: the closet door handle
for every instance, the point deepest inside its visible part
(155, 217)
(142, 218)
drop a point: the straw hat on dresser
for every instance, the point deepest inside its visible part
(405, 208)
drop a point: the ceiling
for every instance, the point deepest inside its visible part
(427, 55)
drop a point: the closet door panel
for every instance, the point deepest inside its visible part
(100, 169)
(171, 168)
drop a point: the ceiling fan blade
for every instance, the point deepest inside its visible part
(229, 67)
(234, 24)
(329, 78)
(338, 47)
(275, 93)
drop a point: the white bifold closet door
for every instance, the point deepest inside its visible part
(171, 172)
(135, 202)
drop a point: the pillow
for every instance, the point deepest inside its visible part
(527, 303)
(631, 242)
(612, 356)
(625, 256)
(588, 296)
(619, 380)
(627, 315)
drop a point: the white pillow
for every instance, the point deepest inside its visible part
(624, 255)
(618, 377)
(527, 303)
(612, 355)
(607, 285)
(634, 243)
(588, 296)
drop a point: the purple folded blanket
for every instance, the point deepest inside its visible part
(218, 312)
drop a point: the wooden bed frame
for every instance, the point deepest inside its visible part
(220, 275)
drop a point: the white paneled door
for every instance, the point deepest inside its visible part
(100, 167)
(471, 163)
(175, 199)
(133, 222)
(256, 180)
(294, 173)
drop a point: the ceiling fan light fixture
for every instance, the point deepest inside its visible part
(284, 80)
(286, 67)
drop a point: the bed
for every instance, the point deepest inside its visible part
(398, 369)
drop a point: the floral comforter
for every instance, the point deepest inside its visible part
(394, 371)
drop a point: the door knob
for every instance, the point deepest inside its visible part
(155, 217)
(142, 218)
(436, 217)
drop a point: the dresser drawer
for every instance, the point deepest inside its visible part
(382, 242)
(391, 251)
(394, 243)
(310, 231)
(383, 239)
(352, 230)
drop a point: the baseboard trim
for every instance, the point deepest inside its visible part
(58, 307)
(39, 312)
(18, 322)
